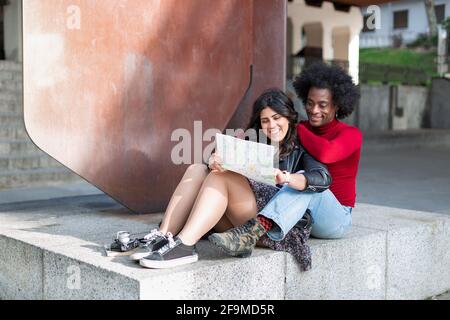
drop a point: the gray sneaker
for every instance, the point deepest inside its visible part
(151, 242)
(174, 253)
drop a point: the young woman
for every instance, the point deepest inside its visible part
(220, 200)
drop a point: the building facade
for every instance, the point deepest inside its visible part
(400, 22)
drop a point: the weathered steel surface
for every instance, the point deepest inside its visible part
(268, 54)
(106, 82)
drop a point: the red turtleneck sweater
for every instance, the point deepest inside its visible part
(337, 145)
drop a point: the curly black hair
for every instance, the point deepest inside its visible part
(320, 75)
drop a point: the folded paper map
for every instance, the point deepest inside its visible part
(251, 159)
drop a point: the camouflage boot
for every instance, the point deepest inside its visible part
(239, 241)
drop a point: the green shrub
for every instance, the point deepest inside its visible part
(424, 41)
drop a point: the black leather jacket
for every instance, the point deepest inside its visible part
(316, 173)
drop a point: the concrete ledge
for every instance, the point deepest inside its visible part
(417, 250)
(52, 250)
(349, 268)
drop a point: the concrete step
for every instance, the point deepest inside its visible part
(12, 76)
(31, 177)
(52, 250)
(13, 131)
(10, 66)
(13, 86)
(31, 161)
(11, 101)
(10, 96)
(17, 146)
(9, 118)
(11, 105)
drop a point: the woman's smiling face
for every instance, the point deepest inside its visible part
(274, 125)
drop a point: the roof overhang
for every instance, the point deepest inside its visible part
(343, 3)
(361, 3)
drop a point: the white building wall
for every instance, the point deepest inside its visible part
(417, 22)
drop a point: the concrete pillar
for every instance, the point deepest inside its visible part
(327, 42)
(353, 55)
(341, 40)
(296, 36)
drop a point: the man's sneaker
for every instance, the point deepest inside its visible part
(122, 245)
(153, 241)
(239, 241)
(173, 254)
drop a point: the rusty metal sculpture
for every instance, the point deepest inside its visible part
(106, 82)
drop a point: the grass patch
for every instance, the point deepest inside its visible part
(401, 57)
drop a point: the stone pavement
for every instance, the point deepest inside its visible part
(407, 178)
(56, 190)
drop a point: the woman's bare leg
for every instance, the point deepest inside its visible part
(221, 192)
(224, 224)
(183, 199)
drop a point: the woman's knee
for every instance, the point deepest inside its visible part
(220, 176)
(216, 180)
(197, 170)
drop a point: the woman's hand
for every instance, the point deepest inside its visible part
(215, 163)
(281, 177)
(295, 180)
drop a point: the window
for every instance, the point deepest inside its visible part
(440, 13)
(314, 3)
(366, 27)
(401, 19)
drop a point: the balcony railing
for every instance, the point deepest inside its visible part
(369, 72)
(299, 63)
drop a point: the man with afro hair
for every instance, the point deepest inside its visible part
(329, 94)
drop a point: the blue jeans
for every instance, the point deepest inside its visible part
(331, 220)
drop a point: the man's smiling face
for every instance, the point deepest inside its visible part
(320, 107)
